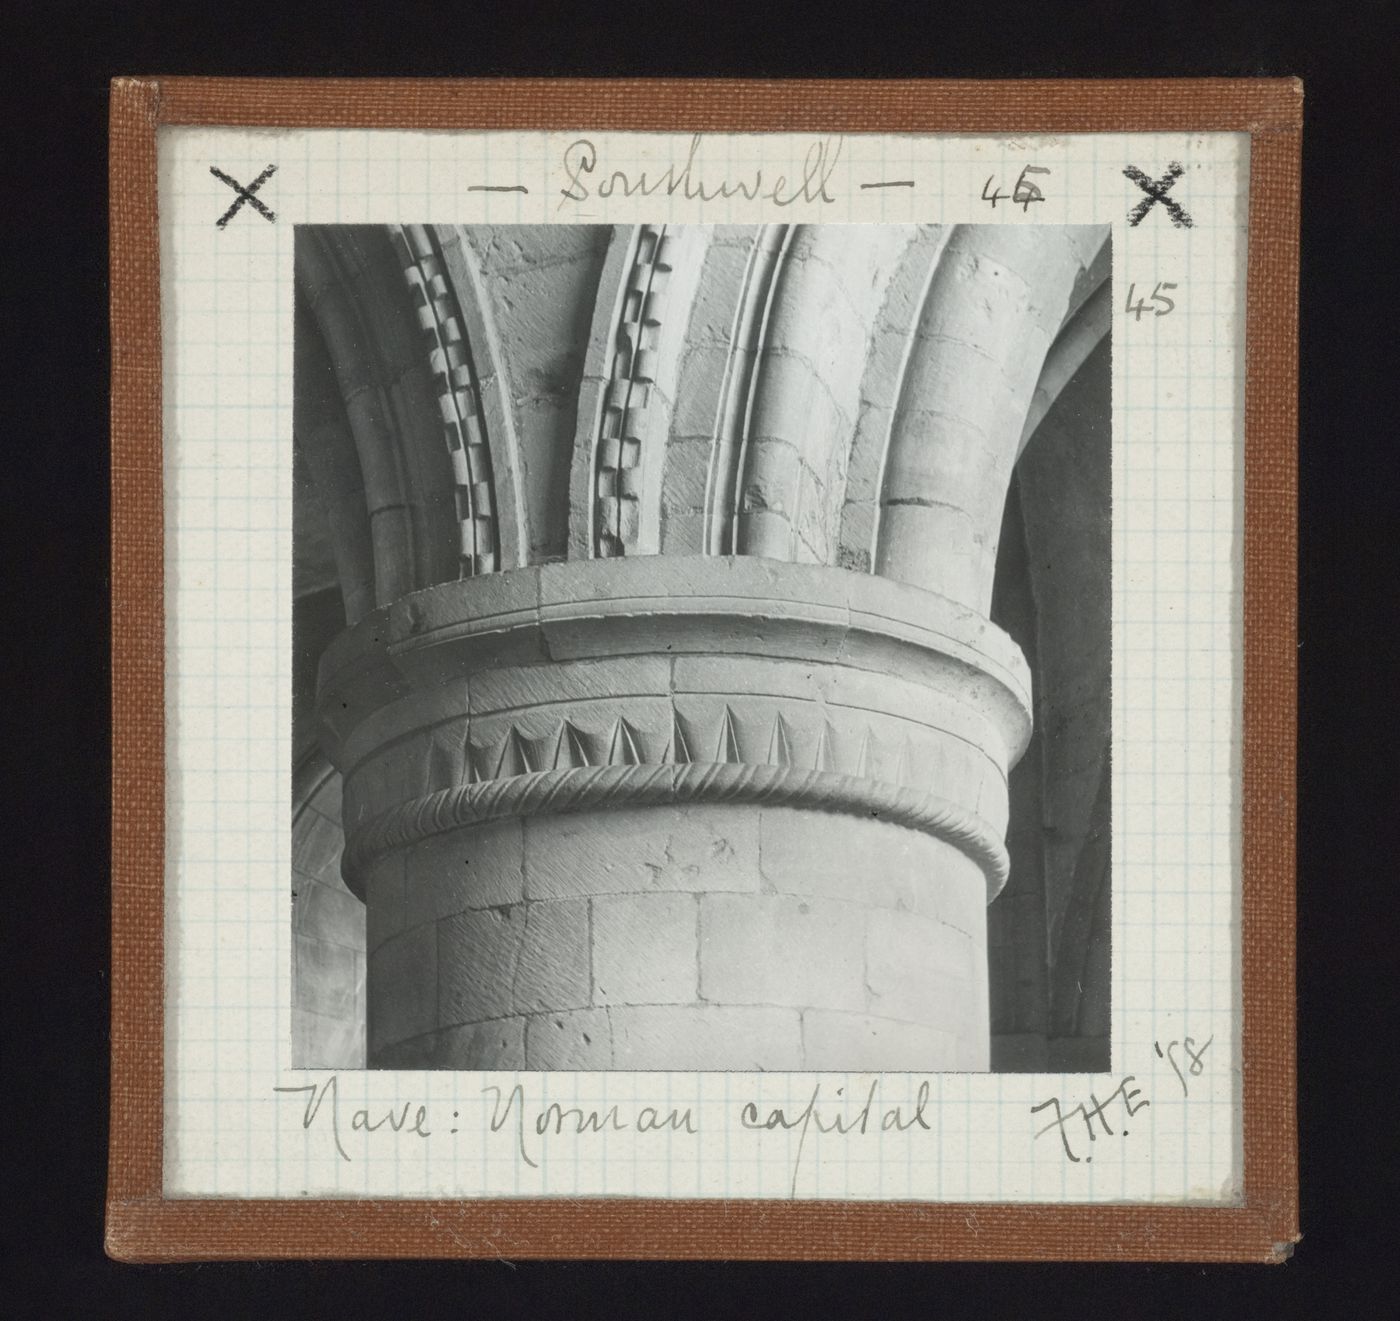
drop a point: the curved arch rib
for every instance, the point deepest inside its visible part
(736, 393)
(1083, 332)
(459, 398)
(881, 389)
(996, 301)
(354, 289)
(322, 434)
(806, 394)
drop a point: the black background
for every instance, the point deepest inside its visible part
(54, 1098)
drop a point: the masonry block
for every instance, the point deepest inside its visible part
(385, 913)
(645, 949)
(498, 1044)
(479, 955)
(328, 976)
(323, 1042)
(645, 849)
(481, 867)
(863, 862)
(328, 911)
(955, 894)
(403, 988)
(553, 972)
(572, 1039)
(781, 950)
(861, 1043)
(918, 970)
(702, 375)
(687, 475)
(316, 847)
(727, 1037)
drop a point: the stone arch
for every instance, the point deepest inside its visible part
(713, 372)
(481, 345)
(628, 395)
(458, 388)
(536, 289)
(753, 302)
(806, 392)
(995, 303)
(890, 345)
(354, 288)
(324, 450)
(1086, 326)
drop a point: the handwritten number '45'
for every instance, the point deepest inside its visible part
(1139, 308)
(1023, 194)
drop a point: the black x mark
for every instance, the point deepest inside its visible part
(1157, 192)
(244, 194)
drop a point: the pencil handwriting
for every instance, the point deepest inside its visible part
(588, 177)
(407, 1118)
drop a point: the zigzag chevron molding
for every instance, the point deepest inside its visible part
(571, 747)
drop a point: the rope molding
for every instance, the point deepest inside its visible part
(600, 788)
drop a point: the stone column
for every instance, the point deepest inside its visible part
(613, 802)
(675, 812)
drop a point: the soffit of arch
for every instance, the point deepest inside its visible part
(848, 395)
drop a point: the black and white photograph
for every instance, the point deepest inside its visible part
(702, 647)
(702, 659)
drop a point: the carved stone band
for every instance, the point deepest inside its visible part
(661, 606)
(597, 788)
(664, 681)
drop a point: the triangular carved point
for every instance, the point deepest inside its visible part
(904, 763)
(623, 750)
(515, 758)
(866, 758)
(678, 750)
(779, 745)
(569, 752)
(727, 746)
(825, 759)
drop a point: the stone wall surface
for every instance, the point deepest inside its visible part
(1052, 919)
(677, 924)
(671, 725)
(328, 938)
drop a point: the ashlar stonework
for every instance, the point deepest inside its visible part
(645, 592)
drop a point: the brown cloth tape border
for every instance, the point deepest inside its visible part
(142, 1225)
